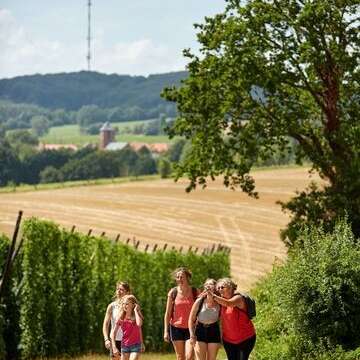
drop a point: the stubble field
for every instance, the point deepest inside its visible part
(161, 212)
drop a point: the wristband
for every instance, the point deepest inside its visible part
(107, 339)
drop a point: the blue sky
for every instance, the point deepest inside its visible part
(137, 37)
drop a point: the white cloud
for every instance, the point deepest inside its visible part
(22, 53)
(138, 57)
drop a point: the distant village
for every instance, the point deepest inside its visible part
(107, 143)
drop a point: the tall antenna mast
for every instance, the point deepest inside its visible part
(88, 56)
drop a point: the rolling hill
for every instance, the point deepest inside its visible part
(71, 91)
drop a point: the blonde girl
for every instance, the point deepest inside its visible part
(130, 322)
(112, 313)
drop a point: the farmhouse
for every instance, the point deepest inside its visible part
(107, 137)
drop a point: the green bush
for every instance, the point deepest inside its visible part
(310, 305)
(4, 246)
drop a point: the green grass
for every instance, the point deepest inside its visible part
(145, 356)
(70, 134)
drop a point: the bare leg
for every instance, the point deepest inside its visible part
(125, 356)
(200, 350)
(134, 356)
(179, 347)
(212, 350)
(189, 350)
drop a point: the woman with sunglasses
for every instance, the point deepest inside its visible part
(178, 306)
(204, 324)
(238, 331)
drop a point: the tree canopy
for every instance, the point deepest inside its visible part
(277, 74)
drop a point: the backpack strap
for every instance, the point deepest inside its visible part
(173, 293)
(201, 303)
(194, 293)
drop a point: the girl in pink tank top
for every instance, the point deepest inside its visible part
(130, 322)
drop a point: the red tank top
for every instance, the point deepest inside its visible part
(182, 307)
(236, 325)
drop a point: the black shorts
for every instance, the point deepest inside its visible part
(208, 333)
(179, 334)
(118, 346)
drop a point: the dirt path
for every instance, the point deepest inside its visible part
(159, 212)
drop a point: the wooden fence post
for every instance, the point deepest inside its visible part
(10, 258)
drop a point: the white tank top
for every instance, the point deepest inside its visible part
(208, 315)
(115, 313)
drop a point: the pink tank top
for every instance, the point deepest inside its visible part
(181, 311)
(131, 332)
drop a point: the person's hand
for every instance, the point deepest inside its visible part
(192, 340)
(142, 347)
(166, 337)
(203, 294)
(137, 308)
(107, 343)
(116, 355)
(210, 293)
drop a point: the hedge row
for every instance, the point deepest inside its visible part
(65, 281)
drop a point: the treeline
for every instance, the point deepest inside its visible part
(60, 97)
(21, 162)
(88, 117)
(62, 282)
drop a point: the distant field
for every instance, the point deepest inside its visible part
(70, 134)
(160, 212)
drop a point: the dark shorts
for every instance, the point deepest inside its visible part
(118, 346)
(135, 348)
(240, 351)
(179, 334)
(208, 333)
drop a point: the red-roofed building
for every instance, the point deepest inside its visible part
(57, 146)
(159, 148)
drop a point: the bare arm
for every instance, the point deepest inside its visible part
(106, 325)
(192, 317)
(138, 315)
(113, 336)
(167, 316)
(237, 300)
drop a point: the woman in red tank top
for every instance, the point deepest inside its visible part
(238, 331)
(178, 306)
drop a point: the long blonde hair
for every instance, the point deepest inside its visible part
(124, 299)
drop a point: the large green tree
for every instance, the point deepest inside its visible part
(271, 72)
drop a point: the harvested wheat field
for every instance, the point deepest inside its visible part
(160, 212)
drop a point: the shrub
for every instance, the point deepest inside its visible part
(312, 302)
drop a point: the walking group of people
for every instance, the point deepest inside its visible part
(195, 321)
